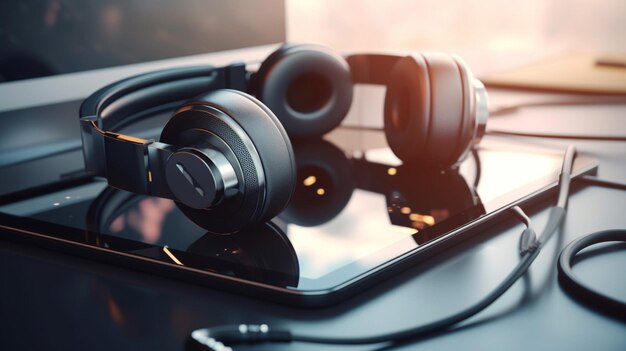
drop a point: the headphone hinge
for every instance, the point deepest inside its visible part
(235, 76)
(126, 162)
(93, 145)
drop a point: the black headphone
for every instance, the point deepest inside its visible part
(225, 154)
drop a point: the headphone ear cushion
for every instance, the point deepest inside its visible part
(426, 110)
(308, 87)
(259, 143)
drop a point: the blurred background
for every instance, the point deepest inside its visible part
(512, 32)
(61, 36)
(54, 53)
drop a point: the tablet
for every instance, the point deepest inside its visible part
(358, 216)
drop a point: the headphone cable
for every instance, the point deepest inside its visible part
(496, 132)
(577, 101)
(588, 100)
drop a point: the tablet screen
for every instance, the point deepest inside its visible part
(355, 209)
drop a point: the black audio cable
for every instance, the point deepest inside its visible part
(497, 132)
(580, 291)
(571, 283)
(216, 338)
(578, 101)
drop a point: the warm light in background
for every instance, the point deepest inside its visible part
(530, 27)
(489, 24)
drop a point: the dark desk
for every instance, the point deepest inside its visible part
(51, 301)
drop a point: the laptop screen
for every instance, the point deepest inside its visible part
(51, 37)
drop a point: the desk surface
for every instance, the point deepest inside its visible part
(53, 301)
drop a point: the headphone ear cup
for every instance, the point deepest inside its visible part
(308, 87)
(261, 153)
(427, 104)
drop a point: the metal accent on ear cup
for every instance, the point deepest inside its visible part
(200, 178)
(479, 113)
(481, 109)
